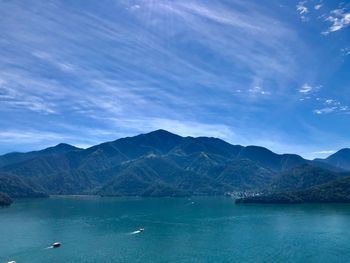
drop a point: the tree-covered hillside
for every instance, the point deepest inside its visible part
(156, 164)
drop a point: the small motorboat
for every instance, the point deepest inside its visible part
(141, 229)
(56, 244)
(12, 261)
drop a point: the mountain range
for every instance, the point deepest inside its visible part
(335, 191)
(161, 163)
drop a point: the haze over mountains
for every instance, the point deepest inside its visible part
(164, 164)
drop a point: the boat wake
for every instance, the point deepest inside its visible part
(54, 245)
(49, 247)
(137, 231)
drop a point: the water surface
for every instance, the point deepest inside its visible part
(94, 229)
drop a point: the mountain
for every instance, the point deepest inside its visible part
(337, 191)
(302, 177)
(17, 157)
(245, 175)
(270, 159)
(157, 176)
(339, 159)
(18, 187)
(305, 183)
(158, 163)
(5, 200)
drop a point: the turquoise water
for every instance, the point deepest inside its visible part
(176, 230)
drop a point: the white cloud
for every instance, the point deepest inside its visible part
(317, 7)
(325, 110)
(214, 25)
(129, 70)
(134, 7)
(186, 9)
(302, 9)
(30, 136)
(17, 93)
(331, 105)
(124, 72)
(331, 102)
(34, 139)
(345, 51)
(306, 88)
(339, 19)
(62, 65)
(258, 91)
(324, 152)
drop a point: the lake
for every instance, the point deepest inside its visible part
(202, 229)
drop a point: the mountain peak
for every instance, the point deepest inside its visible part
(61, 148)
(339, 159)
(64, 145)
(161, 132)
(343, 151)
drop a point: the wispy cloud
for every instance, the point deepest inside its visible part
(325, 110)
(29, 136)
(62, 65)
(345, 51)
(344, 109)
(331, 105)
(34, 139)
(311, 95)
(339, 19)
(325, 152)
(331, 102)
(301, 8)
(306, 88)
(16, 94)
(318, 6)
(258, 91)
(86, 87)
(193, 67)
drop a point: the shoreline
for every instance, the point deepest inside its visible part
(74, 196)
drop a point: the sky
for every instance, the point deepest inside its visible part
(269, 73)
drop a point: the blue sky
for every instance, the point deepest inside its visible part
(269, 73)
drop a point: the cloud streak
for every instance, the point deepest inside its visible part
(306, 88)
(225, 68)
(301, 8)
(331, 106)
(339, 19)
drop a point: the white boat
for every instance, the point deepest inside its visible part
(56, 244)
(141, 229)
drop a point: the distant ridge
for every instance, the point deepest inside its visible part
(16, 157)
(339, 159)
(158, 163)
(336, 191)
